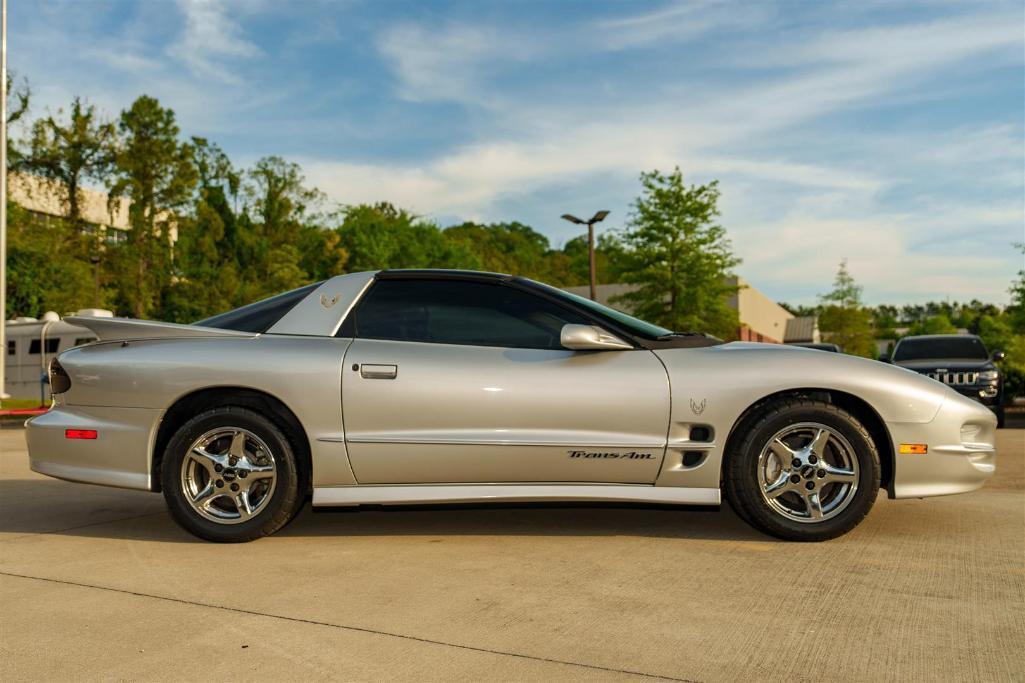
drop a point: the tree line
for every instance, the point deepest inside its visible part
(243, 234)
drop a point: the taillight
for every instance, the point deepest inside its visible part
(59, 379)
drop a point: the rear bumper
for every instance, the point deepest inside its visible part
(961, 453)
(119, 456)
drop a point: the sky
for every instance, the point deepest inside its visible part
(890, 134)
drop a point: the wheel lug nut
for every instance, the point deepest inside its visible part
(232, 461)
(794, 478)
(812, 459)
(234, 487)
(219, 483)
(217, 468)
(796, 462)
(242, 474)
(821, 473)
(810, 485)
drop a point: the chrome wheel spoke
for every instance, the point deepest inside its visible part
(238, 445)
(778, 487)
(206, 459)
(245, 508)
(838, 474)
(814, 505)
(257, 472)
(782, 452)
(818, 443)
(204, 497)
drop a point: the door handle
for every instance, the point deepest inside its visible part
(371, 371)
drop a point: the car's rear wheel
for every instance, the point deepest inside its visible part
(803, 470)
(230, 475)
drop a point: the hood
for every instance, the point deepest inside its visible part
(930, 364)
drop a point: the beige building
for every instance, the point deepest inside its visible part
(761, 318)
(43, 198)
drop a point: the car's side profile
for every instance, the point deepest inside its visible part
(448, 386)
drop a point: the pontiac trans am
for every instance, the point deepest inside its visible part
(417, 387)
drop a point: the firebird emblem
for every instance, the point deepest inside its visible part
(698, 408)
(328, 303)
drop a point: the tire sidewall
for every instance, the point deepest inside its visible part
(285, 488)
(745, 491)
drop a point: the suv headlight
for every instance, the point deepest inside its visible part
(989, 375)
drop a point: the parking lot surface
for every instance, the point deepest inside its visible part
(99, 583)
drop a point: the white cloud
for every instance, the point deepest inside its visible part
(209, 38)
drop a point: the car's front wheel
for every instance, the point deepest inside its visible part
(804, 470)
(230, 475)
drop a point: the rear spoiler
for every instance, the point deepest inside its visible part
(116, 329)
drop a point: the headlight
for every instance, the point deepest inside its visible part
(989, 375)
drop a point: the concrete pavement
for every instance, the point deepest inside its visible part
(98, 583)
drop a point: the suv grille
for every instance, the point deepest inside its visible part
(955, 377)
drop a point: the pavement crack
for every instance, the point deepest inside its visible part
(344, 627)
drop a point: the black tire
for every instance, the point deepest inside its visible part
(285, 500)
(744, 491)
(1001, 416)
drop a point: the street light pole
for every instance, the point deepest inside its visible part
(3, 199)
(597, 218)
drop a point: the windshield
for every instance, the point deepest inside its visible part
(941, 347)
(634, 325)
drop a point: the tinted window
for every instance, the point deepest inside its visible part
(461, 312)
(635, 325)
(262, 315)
(51, 345)
(945, 347)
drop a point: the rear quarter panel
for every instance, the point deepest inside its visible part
(304, 373)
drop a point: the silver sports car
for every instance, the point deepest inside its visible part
(399, 387)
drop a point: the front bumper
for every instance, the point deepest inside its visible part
(119, 456)
(961, 454)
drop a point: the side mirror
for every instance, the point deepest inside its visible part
(884, 358)
(590, 338)
(998, 356)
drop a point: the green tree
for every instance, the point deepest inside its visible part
(382, 236)
(41, 276)
(934, 324)
(843, 320)
(279, 206)
(72, 152)
(207, 277)
(679, 257)
(18, 99)
(155, 172)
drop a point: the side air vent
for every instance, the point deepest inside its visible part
(693, 458)
(701, 433)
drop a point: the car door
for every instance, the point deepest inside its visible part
(463, 380)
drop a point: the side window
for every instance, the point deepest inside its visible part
(461, 312)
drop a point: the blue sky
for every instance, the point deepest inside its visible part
(891, 134)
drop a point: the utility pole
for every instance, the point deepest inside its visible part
(597, 218)
(3, 199)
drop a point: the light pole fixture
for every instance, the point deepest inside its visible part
(597, 218)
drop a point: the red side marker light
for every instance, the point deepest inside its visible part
(80, 434)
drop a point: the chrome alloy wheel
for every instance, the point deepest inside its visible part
(228, 475)
(808, 472)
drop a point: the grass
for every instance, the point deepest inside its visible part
(19, 403)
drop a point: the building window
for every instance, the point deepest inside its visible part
(115, 236)
(51, 345)
(12, 348)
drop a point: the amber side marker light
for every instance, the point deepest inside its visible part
(913, 449)
(80, 434)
